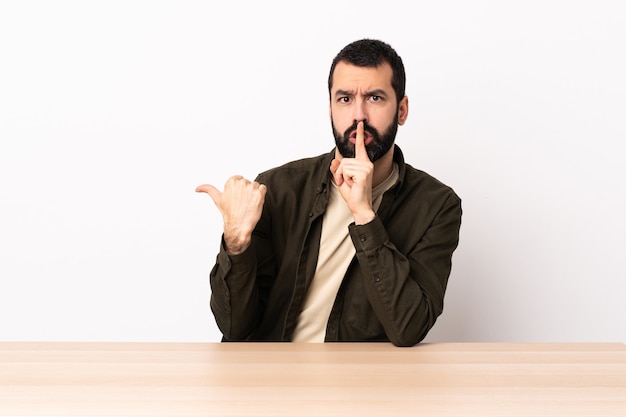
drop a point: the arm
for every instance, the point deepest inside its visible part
(406, 291)
(234, 295)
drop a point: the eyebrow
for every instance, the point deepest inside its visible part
(375, 92)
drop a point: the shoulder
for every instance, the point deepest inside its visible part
(427, 198)
(419, 187)
(417, 182)
(431, 191)
(297, 170)
(416, 178)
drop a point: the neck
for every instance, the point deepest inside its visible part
(383, 168)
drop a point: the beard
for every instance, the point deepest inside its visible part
(380, 145)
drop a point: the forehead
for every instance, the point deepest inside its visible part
(351, 77)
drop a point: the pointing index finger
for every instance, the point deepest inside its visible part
(360, 152)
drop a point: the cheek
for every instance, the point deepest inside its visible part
(340, 120)
(382, 120)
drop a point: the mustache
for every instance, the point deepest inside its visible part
(366, 128)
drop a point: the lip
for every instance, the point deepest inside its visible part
(367, 140)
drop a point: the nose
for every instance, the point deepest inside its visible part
(359, 111)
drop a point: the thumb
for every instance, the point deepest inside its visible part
(213, 192)
(334, 169)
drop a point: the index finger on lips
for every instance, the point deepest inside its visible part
(359, 146)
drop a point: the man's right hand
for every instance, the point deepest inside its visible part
(241, 204)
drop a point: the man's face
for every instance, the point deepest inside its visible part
(366, 94)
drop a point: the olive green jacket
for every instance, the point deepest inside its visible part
(394, 287)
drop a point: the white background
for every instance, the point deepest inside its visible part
(112, 112)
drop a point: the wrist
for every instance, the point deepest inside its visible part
(364, 217)
(236, 244)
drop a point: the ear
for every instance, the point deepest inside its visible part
(403, 110)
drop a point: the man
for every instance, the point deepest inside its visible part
(354, 245)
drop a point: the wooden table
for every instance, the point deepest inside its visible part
(340, 379)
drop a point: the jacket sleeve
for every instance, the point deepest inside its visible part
(406, 290)
(234, 295)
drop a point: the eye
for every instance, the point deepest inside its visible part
(344, 99)
(376, 99)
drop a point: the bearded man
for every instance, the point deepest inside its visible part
(353, 245)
